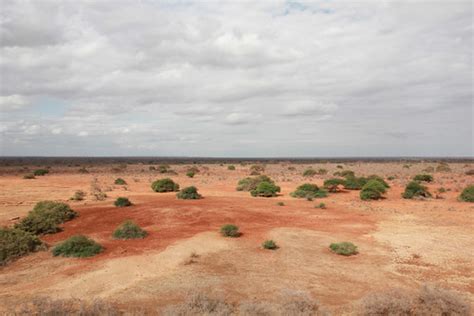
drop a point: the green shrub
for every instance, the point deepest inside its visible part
(165, 185)
(45, 217)
(372, 190)
(251, 183)
(193, 169)
(379, 179)
(265, 189)
(415, 189)
(129, 230)
(269, 244)
(77, 246)
(190, 174)
(309, 172)
(78, 195)
(120, 181)
(344, 248)
(29, 176)
(423, 177)
(467, 194)
(354, 183)
(189, 193)
(309, 191)
(322, 171)
(230, 230)
(344, 173)
(122, 202)
(16, 243)
(41, 172)
(441, 190)
(321, 205)
(231, 167)
(443, 167)
(332, 185)
(163, 168)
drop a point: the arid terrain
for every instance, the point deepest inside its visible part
(402, 243)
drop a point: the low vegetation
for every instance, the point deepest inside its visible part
(231, 167)
(415, 190)
(122, 202)
(333, 185)
(40, 172)
(372, 190)
(467, 195)
(320, 205)
(45, 217)
(309, 191)
(78, 196)
(29, 176)
(344, 173)
(15, 243)
(265, 189)
(230, 230)
(354, 183)
(120, 181)
(189, 193)
(251, 183)
(129, 230)
(344, 248)
(269, 244)
(443, 167)
(190, 174)
(428, 300)
(77, 246)
(379, 179)
(310, 172)
(280, 204)
(165, 185)
(423, 177)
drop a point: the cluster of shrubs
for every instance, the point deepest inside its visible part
(310, 172)
(309, 191)
(415, 190)
(423, 178)
(15, 243)
(40, 172)
(262, 186)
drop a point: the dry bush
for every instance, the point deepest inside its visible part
(199, 304)
(429, 300)
(257, 309)
(299, 303)
(47, 306)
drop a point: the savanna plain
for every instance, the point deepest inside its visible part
(323, 248)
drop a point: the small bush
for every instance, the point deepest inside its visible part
(321, 206)
(423, 177)
(45, 217)
(230, 230)
(193, 169)
(322, 171)
(379, 179)
(29, 176)
(78, 195)
(339, 167)
(332, 185)
(372, 190)
(122, 202)
(129, 230)
(16, 243)
(344, 248)
(165, 185)
(189, 193)
(281, 204)
(163, 168)
(120, 181)
(251, 183)
(309, 172)
(77, 246)
(265, 189)
(354, 183)
(199, 304)
(257, 168)
(83, 170)
(190, 174)
(429, 169)
(441, 190)
(415, 190)
(467, 195)
(309, 191)
(231, 167)
(269, 244)
(45, 306)
(40, 172)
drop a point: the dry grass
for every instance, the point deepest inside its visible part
(46, 306)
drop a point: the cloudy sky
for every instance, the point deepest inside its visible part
(236, 78)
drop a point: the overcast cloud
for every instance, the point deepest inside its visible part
(236, 78)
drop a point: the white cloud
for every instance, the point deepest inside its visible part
(12, 102)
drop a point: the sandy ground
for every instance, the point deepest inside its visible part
(402, 243)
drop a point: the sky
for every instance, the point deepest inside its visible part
(236, 78)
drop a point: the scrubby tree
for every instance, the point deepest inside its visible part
(354, 183)
(423, 177)
(333, 185)
(467, 194)
(308, 191)
(415, 190)
(372, 190)
(15, 243)
(251, 183)
(189, 193)
(165, 185)
(265, 189)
